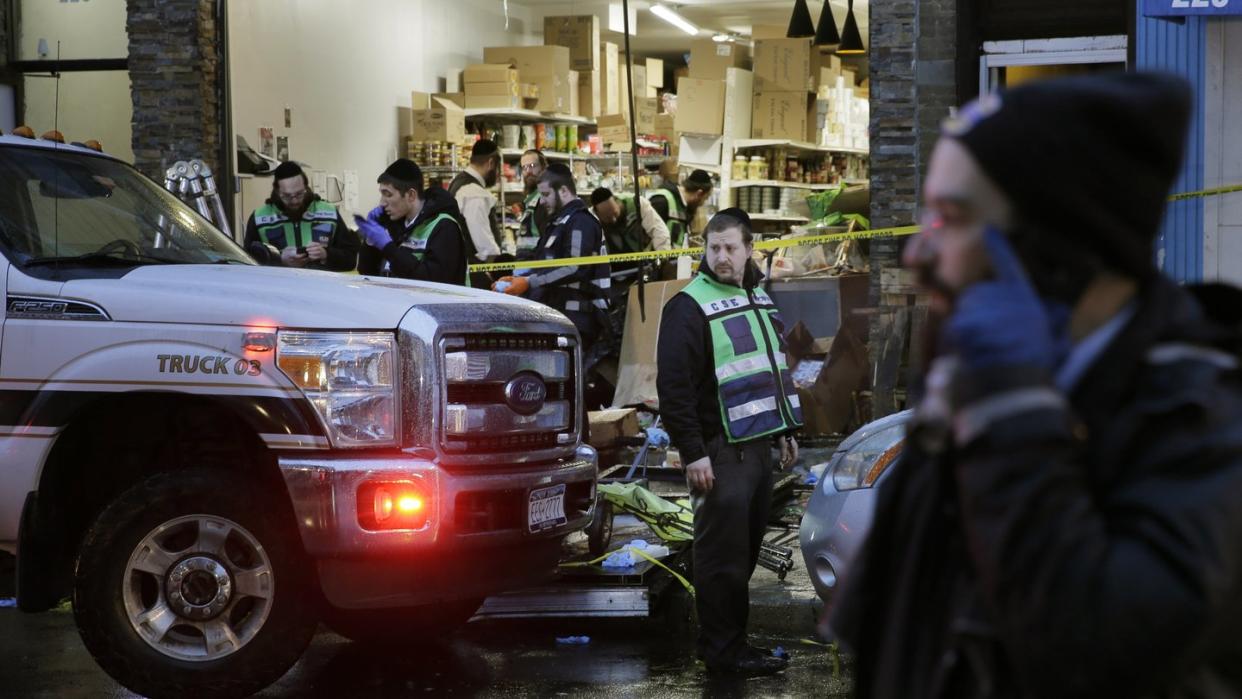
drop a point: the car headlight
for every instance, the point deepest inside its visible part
(349, 378)
(863, 465)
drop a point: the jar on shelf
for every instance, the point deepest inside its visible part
(758, 168)
(741, 169)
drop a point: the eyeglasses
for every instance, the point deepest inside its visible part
(530, 167)
(294, 196)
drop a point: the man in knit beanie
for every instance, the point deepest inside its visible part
(1064, 518)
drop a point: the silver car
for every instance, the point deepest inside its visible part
(839, 513)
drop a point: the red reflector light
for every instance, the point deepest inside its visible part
(258, 342)
(389, 505)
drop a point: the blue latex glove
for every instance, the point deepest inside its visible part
(372, 232)
(1003, 321)
(657, 437)
(375, 214)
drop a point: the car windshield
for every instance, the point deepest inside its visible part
(69, 208)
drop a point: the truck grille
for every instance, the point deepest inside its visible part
(491, 386)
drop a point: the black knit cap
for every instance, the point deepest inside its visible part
(286, 170)
(484, 148)
(735, 213)
(1090, 160)
(700, 178)
(602, 194)
(405, 170)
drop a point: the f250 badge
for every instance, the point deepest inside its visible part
(208, 364)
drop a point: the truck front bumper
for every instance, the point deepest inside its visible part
(477, 540)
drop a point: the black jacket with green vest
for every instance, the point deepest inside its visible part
(321, 222)
(668, 203)
(431, 249)
(722, 367)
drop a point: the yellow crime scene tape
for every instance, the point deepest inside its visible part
(764, 245)
(692, 252)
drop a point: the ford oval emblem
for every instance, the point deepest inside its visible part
(525, 393)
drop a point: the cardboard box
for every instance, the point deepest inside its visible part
(578, 33)
(555, 93)
(493, 101)
(590, 102)
(528, 91)
(655, 73)
(532, 62)
(444, 121)
(571, 106)
(457, 98)
(509, 89)
(647, 108)
(700, 106)
(709, 60)
(664, 128)
(637, 376)
(488, 73)
(779, 115)
(640, 85)
(613, 129)
(768, 31)
(405, 124)
(609, 79)
(608, 427)
(783, 65)
(420, 100)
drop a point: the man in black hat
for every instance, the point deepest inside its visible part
(413, 234)
(726, 396)
(296, 228)
(478, 205)
(676, 203)
(1064, 520)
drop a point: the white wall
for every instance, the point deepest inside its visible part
(344, 68)
(94, 104)
(85, 29)
(1222, 214)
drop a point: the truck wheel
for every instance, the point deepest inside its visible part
(402, 626)
(599, 531)
(191, 583)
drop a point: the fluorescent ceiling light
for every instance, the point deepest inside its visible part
(674, 19)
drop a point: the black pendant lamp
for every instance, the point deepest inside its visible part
(851, 40)
(800, 24)
(826, 32)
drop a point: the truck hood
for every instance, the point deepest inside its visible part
(267, 296)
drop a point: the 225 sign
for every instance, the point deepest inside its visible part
(1181, 8)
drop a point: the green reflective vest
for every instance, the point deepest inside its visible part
(417, 240)
(756, 391)
(530, 225)
(676, 221)
(626, 234)
(318, 224)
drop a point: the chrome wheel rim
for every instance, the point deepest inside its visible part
(198, 588)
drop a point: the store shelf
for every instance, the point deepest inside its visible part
(795, 185)
(549, 154)
(779, 218)
(527, 115)
(797, 145)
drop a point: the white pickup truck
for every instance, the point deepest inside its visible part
(210, 457)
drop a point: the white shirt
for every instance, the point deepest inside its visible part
(476, 204)
(654, 225)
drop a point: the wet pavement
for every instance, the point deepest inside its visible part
(42, 657)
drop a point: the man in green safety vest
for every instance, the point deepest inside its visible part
(676, 203)
(413, 234)
(534, 216)
(630, 223)
(726, 395)
(295, 228)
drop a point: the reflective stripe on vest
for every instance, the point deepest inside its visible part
(417, 240)
(529, 224)
(318, 223)
(756, 391)
(676, 217)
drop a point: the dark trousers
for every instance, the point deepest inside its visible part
(729, 523)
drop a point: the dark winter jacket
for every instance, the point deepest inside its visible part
(443, 261)
(342, 248)
(1084, 551)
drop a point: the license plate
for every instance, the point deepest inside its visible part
(547, 508)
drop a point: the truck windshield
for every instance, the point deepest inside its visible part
(63, 207)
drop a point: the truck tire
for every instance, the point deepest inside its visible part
(402, 626)
(192, 584)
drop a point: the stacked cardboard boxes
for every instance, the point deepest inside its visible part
(492, 86)
(547, 67)
(784, 106)
(580, 34)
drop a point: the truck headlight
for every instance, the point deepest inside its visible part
(349, 378)
(863, 465)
